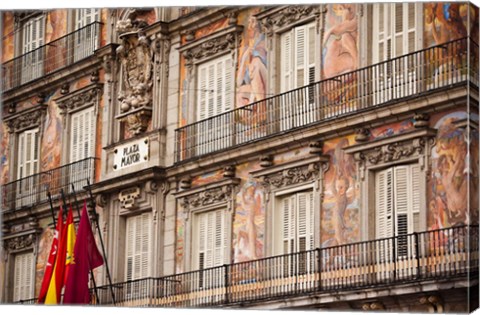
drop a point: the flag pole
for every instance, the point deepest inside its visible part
(95, 216)
(51, 208)
(78, 213)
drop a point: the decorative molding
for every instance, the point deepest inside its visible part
(151, 186)
(416, 144)
(362, 134)
(135, 56)
(316, 147)
(26, 119)
(292, 173)
(127, 198)
(203, 196)
(101, 200)
(24, 240)
(79, 98)
(229, 171)
(211, 46)
(266, 160)
(421, 120)
(273, 21)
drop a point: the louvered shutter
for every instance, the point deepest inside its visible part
(210, 234)
(304, 222)
(288, 224)
(416, 197)
(402, 201)
(286, 62)
(23, 277)
(300, 56)
(384, 203)
(82, 135)
(85, 38)
(33, 37)
(137, 247)
(28, 153)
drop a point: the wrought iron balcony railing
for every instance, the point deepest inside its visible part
(363, 89)
(449, 253)
(51, 57)
(32, 190)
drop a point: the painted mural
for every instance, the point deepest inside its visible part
(8, 34)
(445, 21)
(340, 208)
(52, 137)
(252, 71)
(392, 129)
(340, 53)
(447, 196)
(4, 154)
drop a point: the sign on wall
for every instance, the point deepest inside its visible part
(131, 154)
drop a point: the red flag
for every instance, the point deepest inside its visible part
(86, 257)
(47, 276)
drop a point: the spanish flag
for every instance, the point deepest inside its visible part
(70, 243)
(57, 281)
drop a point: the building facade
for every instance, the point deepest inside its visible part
(321, 156)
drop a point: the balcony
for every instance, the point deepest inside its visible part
(424, 71)
(32, 190)
(51, 57)
(444, 254)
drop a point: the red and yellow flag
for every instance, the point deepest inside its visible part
(47, 276)
(70, 243)
(56, 283)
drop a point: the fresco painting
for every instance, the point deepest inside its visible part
(4, 154)
(448, 183)
(340, 208)
(7, 48)
(445, 21)
(179, 244)
(392, 129)
(473, 178)
(207, 178)
(52, 137)
(251, 81)
(211, 28)
(249, 221)
(340, 53)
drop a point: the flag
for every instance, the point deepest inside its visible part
(86, 257)
(70, 242)
(58, 278)
(47, 276)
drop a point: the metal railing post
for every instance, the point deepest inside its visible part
(417, 254)
(226, 270)
(319, 254)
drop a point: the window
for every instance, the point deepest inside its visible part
(82, 135)
(27, 166)
(214, 97)
(297, 58)
(210, 246)
(137, 247)
(33, 33)
(209, 237)
(294, 232)
(85, 39)
(294, 223)
(397, 203)
(82, 146)
(395, 33)
(23, 277)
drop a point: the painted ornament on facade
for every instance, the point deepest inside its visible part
(252, 72)
(249, 224)
(51, 139)
(340, 210)
(340, 52)
(4, 154)
(44, 246)
(448, 202)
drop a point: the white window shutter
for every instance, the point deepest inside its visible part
(215, 87)
(28, 153)
(202, 237)
(86, 16)
(23, 278)
(384, 203)
(402, 189)
(82, 134)
(288, 224)
(300, 56)
(304, 221)
(228, 88)
(210, 245)
(286, 62)
(416, 197)
(137, 247)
